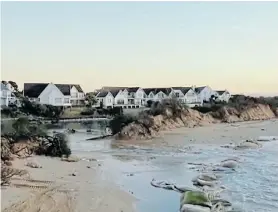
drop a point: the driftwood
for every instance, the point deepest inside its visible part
(99, 137)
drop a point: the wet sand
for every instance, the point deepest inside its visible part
(94, 187)
(87, 191)
(218, 134)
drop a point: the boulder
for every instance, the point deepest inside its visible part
(70, 158)
(229, 164)
(195, 198)
(248, 145)
(194, 208)
(33, 164)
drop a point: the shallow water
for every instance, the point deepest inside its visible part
(252, 187)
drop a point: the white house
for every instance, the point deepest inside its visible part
(186, 95)
(223, 96)
(204, 93)
(77, 95)
(105, 99)
(157, 94)
(7, 95)
(127, 97)
(51, 94)
(138, 95)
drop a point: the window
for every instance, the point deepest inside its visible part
(177, 95)
(66, 100)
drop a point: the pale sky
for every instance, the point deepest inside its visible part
(232, 45)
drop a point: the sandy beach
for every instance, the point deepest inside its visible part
(54, 188)
(86, 191)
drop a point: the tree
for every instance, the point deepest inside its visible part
(90, 98)
(15, 86)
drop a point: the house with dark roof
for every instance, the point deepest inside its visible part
(105, 99)
(126, 97)
(222, 95)
(186, 95)
(157, 94)
(204, 93)
(54, 94)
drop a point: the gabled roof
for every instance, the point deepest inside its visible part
(115, 92)
(184, 90)
(132, 89)
(157, 90)
(111, 88)
(199, 89)
(78, 87)
(102, 94)
(64, 88)
(220, 92)
(33, 90)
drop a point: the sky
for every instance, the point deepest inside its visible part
(226, 45)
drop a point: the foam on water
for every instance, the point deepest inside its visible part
(252, 187)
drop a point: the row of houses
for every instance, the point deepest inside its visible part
(136, 97)
(68, 95)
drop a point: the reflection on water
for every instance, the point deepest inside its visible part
(252, 187)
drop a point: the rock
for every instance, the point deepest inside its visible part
(194, 208)
(33, 165)
(207, 177)
(195, 198)
(8, 163)
(70, 159)
(73, 174)
(88, 167)
(229, 164)
(248, 144)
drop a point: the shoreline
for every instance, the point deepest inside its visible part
(82, 182)
(93, 188)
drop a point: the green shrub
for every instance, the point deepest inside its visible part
(119, 121)
(55, 146)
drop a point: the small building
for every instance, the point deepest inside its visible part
(54, 94)
(204, 93)
(157, 94)
(7, 95)
(186, 95)
(105, 99)
(223, 96)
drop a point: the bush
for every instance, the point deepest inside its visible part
(88, 112)
(172, 104)
(55, 146)
(119, 121)
(149, 103)
(23, 127)
(206, 109)
(36, 109)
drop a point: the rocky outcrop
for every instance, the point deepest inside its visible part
(150, 127)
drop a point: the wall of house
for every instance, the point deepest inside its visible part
(205, 94)
(53, 96)
(107, 101)
(159, 96)
(191, 97)
(139, 97)
(5, 97)
(121, 98)
(224, 97)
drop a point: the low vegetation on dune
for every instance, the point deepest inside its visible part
(170, 113)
